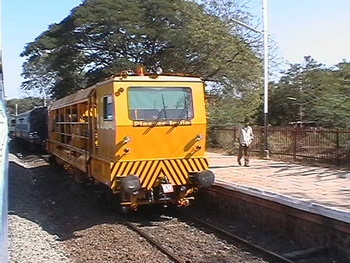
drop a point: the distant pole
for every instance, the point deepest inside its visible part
(266, 76)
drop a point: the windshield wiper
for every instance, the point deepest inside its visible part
(164, 107)
(182, 113)
(154, 123)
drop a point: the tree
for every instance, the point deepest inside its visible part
(231, 106)
(22, 105)
(40, 79)
(332, 103)
(102, 37)
(292, 98)
(312, 92)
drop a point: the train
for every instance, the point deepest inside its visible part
(141, 136)
(31, 126)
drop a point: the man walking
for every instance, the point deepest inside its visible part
(245, 137)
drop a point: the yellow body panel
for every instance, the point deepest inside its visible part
(150, 142)
(176, 170)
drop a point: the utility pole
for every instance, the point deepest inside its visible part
(266, 77)
(265, 33)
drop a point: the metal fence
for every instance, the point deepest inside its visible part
(290, 143)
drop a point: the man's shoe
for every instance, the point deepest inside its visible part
(239, 162)
(246, 165)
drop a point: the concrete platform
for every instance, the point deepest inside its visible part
(315, 189)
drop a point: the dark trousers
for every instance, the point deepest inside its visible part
(243, 151)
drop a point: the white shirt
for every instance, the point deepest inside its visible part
(246, 136)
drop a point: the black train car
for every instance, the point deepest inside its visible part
(31, 126)
(12, 126)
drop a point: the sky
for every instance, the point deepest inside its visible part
(316, 28)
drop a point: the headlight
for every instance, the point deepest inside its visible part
(131, 183)
(205, 178)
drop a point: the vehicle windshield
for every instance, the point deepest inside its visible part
(159, 104)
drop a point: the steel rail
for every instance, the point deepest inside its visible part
(273, 257)
(155, 243)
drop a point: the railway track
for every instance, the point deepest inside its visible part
(264, 253)
(155, 243)
(149, 232)
(313, 237)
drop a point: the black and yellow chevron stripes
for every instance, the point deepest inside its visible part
(176, 170)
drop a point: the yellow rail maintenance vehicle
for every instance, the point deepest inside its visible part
(142, 136)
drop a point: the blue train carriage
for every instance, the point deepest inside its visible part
(31, 126)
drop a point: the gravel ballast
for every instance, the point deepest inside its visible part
(53, 219)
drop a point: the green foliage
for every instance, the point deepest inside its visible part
(235, 92)
(227, 109)
(23, 105)
(332, 102)
(309, 92)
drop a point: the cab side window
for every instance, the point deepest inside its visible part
(108, 108)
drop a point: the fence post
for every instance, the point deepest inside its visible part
(234, 134)
(294, 131)
(337, 149)
(262, 150)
